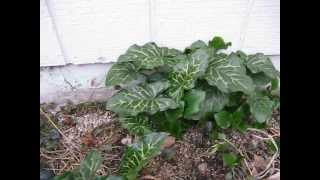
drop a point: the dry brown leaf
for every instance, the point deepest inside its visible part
(68, 121)
(89, 140)
(259, 163)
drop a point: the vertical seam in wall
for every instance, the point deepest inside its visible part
(150, 14)
(245, 23)
(55, 28)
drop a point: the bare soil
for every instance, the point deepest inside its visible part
(88, 126)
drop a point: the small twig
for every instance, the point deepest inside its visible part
(57, 128)
(240, 152)
(266, 170)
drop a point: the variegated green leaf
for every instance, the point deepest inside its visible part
(261, 63)
(261, 107)
(138, 125)
(90, 165)
(229, 75)
(123, 74)
(148, 56)
(138, 154)
(260, 79)
(141, 98)
(185, 74)
(176, 92)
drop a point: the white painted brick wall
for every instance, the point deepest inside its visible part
(91, 31)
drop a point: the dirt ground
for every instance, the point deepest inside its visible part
(80, 128)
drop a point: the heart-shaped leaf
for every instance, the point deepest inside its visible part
(261, 63)
(229, 75)
(138, 125)
(223, 119)
(148, 56)
(123, 74)
(90, 165)
(214, 101)
(138, 154)
(261, 107)
(185, 74)
(141, 98)
(193, 100)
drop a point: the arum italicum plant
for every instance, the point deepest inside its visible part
(163, 88)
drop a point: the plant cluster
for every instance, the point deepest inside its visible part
(164, 89)
(136, 156)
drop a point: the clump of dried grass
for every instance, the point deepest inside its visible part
(71, 151)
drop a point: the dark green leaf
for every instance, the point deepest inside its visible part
(214, 101)
(141, 98)
(275, 87)
(158, 76)
(218, 43)
(230, 159)
(170, 121)
(261, 107)
(223, 119)
(235, 99)
(261, 80)
(90, 165)
(193, 100)
(138, 125)
(123, 74)
(138, 154)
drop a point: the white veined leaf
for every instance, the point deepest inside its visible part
(138, 154)
(123, 74)
(90, 165)
(186, 73)
(261, 63)
(141, 98)
(138, 125)
(229, 75)
(148, 56)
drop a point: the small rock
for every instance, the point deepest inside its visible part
(203, 168)
(126, 141)
(168, 142)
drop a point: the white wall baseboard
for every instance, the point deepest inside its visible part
(81, 83)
